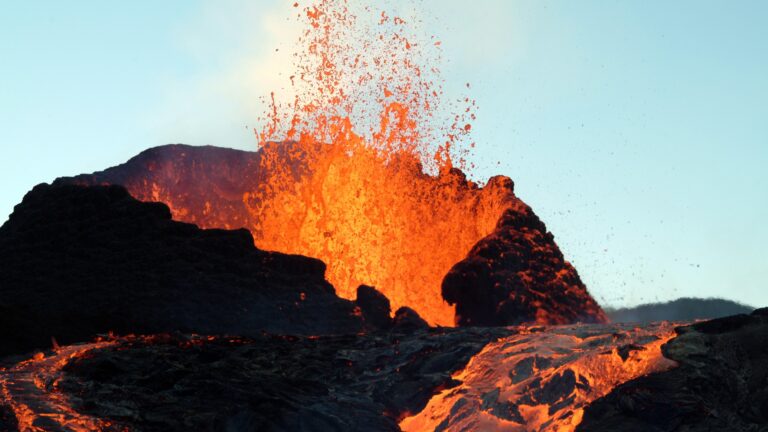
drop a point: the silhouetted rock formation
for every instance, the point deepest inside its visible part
(407, 319)
(374, 307)
(719, 385)
(77, 261)
(682, 309)
(517, 274)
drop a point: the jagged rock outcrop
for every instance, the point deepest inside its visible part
(77, 261)
(374, 230)
(517, 274)
(721, 383)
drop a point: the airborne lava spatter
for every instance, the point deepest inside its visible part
(364, 120)
(369, 80)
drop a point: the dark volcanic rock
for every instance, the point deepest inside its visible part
(721, 383)
(338, 383)
(408, 319)
(517, 274)
(374, 307)
(77, 261)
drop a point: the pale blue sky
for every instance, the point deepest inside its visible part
(638, 131)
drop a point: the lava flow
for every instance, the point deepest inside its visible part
(530, 379)
(541, 379)
(30, 390)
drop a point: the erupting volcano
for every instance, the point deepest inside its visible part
(349, 173)
(346, 275)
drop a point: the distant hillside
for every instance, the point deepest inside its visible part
(682, 309)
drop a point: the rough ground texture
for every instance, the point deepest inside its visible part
(721, 383)
(77, 261)
(269, 383)
(516, 274)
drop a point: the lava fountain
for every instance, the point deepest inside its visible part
(379, 223)
(360, 170)
(364, 119)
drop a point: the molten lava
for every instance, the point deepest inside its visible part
(364, 123)
(30, 390)
(542, 378)
(384, 224)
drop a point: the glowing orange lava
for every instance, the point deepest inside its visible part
(363, 124)
(541, 379)
(30, 390)
(382, 224)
